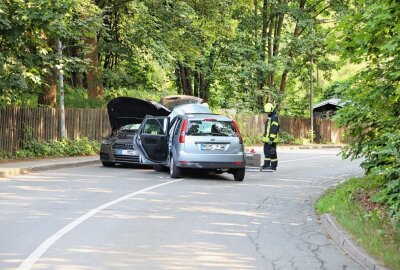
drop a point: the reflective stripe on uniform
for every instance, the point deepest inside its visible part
(267, 159)
(274, 160)
(268, 128)
(269, 136)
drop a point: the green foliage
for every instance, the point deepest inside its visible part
(139, 48)
(137, 93)
(286, 138)
(5, 155)
(390, 195)
(296, 103)
(78, 98)
(251, 139)
(57, 148)
(27, 42)
(336, 90)
(369, 33)
(371, 227)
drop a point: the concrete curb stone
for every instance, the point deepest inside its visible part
(259, 148)
(310, 147)
(345, 242)
(8, 172)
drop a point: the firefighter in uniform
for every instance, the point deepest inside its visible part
(270, 138)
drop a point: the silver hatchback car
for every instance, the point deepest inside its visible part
(191, 137)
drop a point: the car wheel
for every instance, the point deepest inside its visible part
(173, 170)
(159, 167)
(238, 174)
(108, 164)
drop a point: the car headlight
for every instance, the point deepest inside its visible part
(105, 141)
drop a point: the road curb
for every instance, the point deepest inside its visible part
(295, 147)
(8, 172)
(345, 242)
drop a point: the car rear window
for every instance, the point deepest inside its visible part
(211, 128)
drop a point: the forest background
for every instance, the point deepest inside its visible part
(235, 54)
(232, 53)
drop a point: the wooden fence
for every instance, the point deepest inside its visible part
(325, 129)
(26, 124)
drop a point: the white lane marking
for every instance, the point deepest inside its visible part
(39, 251)
(300, 159)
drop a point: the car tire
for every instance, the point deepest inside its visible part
(159, 167)
(108, 164)
(238, 174)
(174, 171)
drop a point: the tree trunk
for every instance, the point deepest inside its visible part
(79, 80)
(255, 23)
(196, 80)
(203, 90)
(94, 74)
(182, 78)
(49, 90)
(296, 33)
(271, 30)
(261, 75)
(278, 33)
(270, 48)
(178, 79)
(275, 49)
(264, 29)
(188, 90)
(185, 79)
(284, 79)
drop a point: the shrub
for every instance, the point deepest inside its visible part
(286, 138)
(61, 148)
(5, 155)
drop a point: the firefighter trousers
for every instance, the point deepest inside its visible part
(270, 155)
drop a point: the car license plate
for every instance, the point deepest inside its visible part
(126, 152)
(207, 147)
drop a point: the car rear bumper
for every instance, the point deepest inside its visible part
(211, 165)
(214, 157)
(185, 159)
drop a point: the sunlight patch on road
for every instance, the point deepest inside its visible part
(35, 255)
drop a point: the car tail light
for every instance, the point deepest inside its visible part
(237, 131)
(210, 120)
(183, 130)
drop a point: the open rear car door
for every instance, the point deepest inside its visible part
(152, 140)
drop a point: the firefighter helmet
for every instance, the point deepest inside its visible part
(269, 107)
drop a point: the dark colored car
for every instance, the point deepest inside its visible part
(126, 114)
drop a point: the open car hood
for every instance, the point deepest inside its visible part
(127, 110)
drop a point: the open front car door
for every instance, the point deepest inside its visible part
(152, 140)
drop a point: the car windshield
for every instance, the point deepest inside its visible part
(211, 127)
(130, 128)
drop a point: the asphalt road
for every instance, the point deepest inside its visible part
(135, 218)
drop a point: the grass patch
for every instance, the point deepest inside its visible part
(368, 222)
(63, 148)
